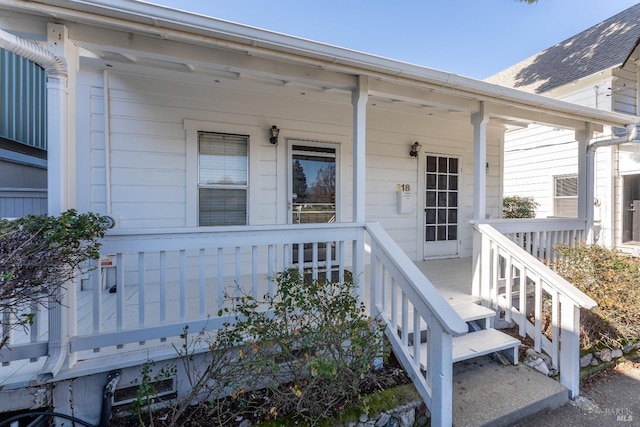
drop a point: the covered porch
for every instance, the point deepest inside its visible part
(168, 280)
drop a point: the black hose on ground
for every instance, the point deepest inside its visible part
(8, 421)
(107, 397)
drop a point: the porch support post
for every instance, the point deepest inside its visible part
(479, 121)
(359, 100)
(60, 125)
(586, 180)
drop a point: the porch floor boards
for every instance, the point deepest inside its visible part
(452, 278)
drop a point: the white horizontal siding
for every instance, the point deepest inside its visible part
(151, 180)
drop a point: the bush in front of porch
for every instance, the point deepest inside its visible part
(39, 254)
(613, 281)
(306, 352)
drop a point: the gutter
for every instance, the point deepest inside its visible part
(33, 52)
(632, 132)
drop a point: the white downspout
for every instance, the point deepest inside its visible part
(56, 69)
(632, 132)
(52, 64)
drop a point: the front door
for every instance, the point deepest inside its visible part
(441, 210)
(312, 189)
(631, 209)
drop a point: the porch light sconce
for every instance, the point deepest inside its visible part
(274, 134)
(415, 149)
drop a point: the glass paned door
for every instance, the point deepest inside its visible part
(312, 197)
(313, 184)
(441, 206)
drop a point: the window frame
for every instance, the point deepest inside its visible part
(221, 186)
(192, 129)
(556, 197)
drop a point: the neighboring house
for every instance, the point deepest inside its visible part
(597, 68)
(226, 153)
(23, 147)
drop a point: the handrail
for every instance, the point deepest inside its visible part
(425, 293)
(552, 278)
(514, 225)
(420, 324)
(500, 265)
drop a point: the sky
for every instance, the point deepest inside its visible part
(473, 38)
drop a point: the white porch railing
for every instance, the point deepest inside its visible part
(511, 280)
(409, 305)
(168, 279)
(539, 236)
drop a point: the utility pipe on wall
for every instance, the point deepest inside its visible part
(107, 140)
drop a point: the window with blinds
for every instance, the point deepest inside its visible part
(222, 179)
(565, 196)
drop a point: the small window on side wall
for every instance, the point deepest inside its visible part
(565, 196)
(222, 179)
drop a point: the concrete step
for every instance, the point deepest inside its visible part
(487, 393)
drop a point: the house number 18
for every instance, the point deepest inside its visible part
(403, 187)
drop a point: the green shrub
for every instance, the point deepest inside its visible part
(519, 207)
(613, 281)
(308, 349)
(39, 254)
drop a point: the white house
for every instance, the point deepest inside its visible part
(226, 153)
(597, 68)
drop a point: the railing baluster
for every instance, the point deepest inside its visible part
(328, 254)
(405, 319)
(522, 306)
(495, 267)
(555, 321)
(254, 271)
(416, 337)
(163, 288)
(537, 339)
(120, 290)
(314, 261)
(183, 287)
(220, 279)
(96, 291)
(141, 294)
(341, 258)
(271, 261)
(301, 259)
(394, 304)
(238, 262)
(508, 280)
(201, 282)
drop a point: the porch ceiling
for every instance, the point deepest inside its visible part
(123, 33)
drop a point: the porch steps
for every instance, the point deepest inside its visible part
(481, 339)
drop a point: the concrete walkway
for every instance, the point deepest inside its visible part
(608, 399)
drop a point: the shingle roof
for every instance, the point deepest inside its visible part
(603, 46)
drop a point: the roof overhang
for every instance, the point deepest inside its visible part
(390, 78)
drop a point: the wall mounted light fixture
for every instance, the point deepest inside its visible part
(415, 149)
(274, 134)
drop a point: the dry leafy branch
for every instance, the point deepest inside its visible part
(38, 255)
